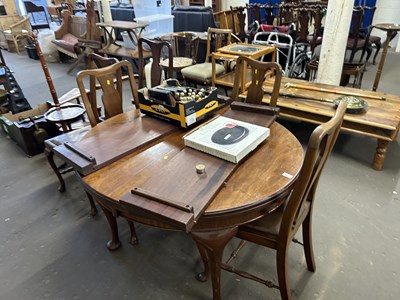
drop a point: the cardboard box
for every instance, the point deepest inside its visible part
(180, 113)
(22, 132)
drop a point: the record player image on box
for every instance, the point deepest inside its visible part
(181, 105)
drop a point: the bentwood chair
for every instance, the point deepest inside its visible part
(110, 80)
(158, 49)
(277, 229)
(202, 72)
(259, 71)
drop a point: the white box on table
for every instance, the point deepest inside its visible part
(226, 138)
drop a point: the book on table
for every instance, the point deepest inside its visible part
(227, 138)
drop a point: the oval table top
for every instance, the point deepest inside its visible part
(256, 187)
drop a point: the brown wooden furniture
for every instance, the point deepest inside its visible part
(232, 52)
(381, 120)
(54, 9)
(184, 49)
(390, 29)
(277, 229)
(111, 90)
(133, 29)
(78, 36)
(203, 72)
(259, 71)
(94, 61)
(263, 185)
(356, 42)
(369, 12)
(352, 73)
(38, 16)
(158, 50)
(61, 112)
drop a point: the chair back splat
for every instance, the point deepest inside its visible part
(156, 48)
(110, 81)
(259, 71)
(277, 229)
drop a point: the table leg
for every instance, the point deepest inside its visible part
(114, 243)
(382, 61)
(212, 244)
(133, 240)
(93, 209)
(380, 154)
(50, 158)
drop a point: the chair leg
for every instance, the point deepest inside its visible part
(307, 242)
(282, 270)
(16, 44)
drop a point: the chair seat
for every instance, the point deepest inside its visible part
(202, 72)
(373, 39)
(351, 42)
(178, 63)
(67, 42)
(269, 224)
(9, 36)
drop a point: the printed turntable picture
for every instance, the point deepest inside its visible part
(230, 134)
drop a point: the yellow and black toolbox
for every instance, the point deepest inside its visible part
(180, 105)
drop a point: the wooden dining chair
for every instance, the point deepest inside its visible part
(202, 72)
(110, 80)
(259, 71)
(356, 41)
(184, 46)
(277, 229)
(158, 49)
(369, 12)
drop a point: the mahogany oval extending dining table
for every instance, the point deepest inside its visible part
(258, 185)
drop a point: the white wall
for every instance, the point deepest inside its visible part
(387, 11)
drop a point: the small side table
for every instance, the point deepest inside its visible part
(65, 115)
(389, 28)
(232, 52)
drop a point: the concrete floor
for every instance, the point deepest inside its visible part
(51, 248)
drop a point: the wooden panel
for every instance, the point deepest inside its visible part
(177, 181)
(109, 141)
